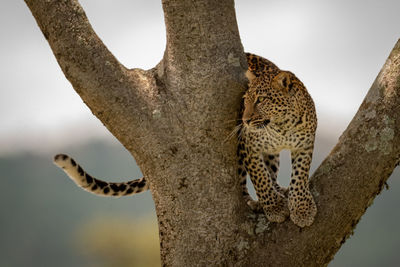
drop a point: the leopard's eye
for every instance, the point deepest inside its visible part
(260, 99)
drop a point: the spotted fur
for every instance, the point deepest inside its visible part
(278, 113)
(97, 186)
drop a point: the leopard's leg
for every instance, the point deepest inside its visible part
(254, 205)
(272, 163)
(273, 203)
(301, 203)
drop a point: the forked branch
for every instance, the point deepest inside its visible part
(102, 82)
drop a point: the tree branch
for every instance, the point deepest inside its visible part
(103, 83)
(349, 179)
(202, 39)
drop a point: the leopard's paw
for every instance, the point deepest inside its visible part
(302, 209)
(276, 208)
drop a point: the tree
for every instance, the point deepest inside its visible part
(174, 119)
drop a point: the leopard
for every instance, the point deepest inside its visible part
(277, 114)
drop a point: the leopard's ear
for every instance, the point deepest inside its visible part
(284, 81)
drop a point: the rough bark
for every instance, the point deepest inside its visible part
(175, 119)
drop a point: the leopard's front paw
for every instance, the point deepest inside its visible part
(302, 209)
(276, 208)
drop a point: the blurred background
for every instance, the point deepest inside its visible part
(335, 47)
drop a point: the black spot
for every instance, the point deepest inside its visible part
(296, 173)
(94, 187)
(284, 82)
(64, 157)
(141, 184)
(122, 187)
(80, 170)
(274, 168)
(271, 157)
(129, 191)
(299, 122)
(101, 184)
(133, 184)
(114, 187)
(89, 179)
(106, 190)
(73, 162)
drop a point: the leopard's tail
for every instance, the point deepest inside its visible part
(97, 186)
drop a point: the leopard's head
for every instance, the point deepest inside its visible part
(270, 99)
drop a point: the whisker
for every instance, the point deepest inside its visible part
(230, 121)
(241, 133)
(238, 121)
(237, 131)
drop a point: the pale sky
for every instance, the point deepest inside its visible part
(335, 47)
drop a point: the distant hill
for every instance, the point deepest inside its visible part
(42, 211)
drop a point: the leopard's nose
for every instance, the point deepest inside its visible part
(247, 114)
(246, 120)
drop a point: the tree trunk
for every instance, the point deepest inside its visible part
(175, 120)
